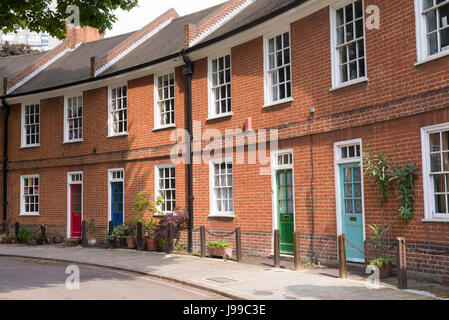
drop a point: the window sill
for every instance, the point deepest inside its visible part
(432, 58)
(220, 116)
(435, 220)
(73, 141)
(349, 84)
(214, 215)
(30, 146)
(29, 215)
(172, 126)
(118, 135)
(272, 104)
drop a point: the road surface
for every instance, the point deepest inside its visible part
(25, 279)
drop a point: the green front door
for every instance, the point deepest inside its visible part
(285, 209)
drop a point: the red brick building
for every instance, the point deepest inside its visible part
(94, 122)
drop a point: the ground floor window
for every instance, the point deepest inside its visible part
(29, 195)
(166, 187)
(436, 171)
(221, 185)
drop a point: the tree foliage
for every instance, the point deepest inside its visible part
(8, 49)
(51, 16)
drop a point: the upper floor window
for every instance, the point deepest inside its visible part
(278, 68)
(348, 43)
(432, 27)
(31, 127)
(165, 101)
(118, 111)
(73, 116)
(436, 171)
(220, 86)
(29, 195)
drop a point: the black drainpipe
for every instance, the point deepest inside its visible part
(188, 71)
(5, 110)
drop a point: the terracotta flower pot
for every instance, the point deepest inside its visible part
(225, 252)
(386, 271)
(130, 242)
(51, 239)
(118, 244)
(12, 241)
(152, 244)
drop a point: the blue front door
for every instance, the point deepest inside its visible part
(352, 210)
(117, 203)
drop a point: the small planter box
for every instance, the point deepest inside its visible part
(32, 242)
(225, 253)
(91, 242)
(118, 244)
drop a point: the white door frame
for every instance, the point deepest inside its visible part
(274, 168)
(337, 162)
(69, 193)
(111, 180)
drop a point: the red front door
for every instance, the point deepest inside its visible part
(75, 210)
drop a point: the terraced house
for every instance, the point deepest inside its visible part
(93, 122)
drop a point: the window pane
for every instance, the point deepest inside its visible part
(440, 204)
(439, 183)
(435, 162)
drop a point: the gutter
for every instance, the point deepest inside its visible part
(188, 71)
(202, 45)
(6, 109)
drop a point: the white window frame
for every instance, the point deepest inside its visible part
(157, 113)
(335, 62)
(213, 212)
(421, 37)
(23, 131)
(156, 181)
(267, 94)
(429, 200)
(338, 160)
(111, 132)
(66, 127)
(275, 167)
(110, 180)
(212, 113)
(22, 196)
(69, 183)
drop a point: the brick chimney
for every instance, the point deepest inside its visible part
(76, 35)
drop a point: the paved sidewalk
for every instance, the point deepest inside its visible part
(234, 280)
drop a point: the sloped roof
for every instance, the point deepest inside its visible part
(14, 65)
(166, 42)
(73, 66)
(259, 9)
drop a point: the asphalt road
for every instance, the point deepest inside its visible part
(25, 279)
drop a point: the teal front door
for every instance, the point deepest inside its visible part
(284, 179)
(352, 210)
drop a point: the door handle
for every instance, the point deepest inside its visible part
(286, 217)
(353, 219)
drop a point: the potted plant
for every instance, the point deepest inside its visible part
(25, 236)
(118, 235)
(150, 235)
(91, 229)
(50, 237)
(220, 249)
(385, 177)
(11, 239)
(130, 236)
(177, 218)
(143, 204)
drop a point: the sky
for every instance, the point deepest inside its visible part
(149, 10)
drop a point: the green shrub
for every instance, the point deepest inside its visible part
(24, 235)
(219, 244)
